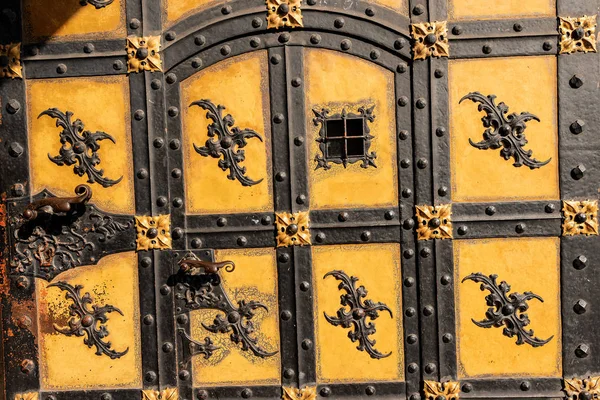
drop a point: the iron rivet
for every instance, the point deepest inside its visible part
(547, 46)
(177, 202)
(549, 208)
(520, 228)
(428, 311)
(177, 233)
(462, 230)
(306, 344)
(370, 390)
(577, 127)
(171, 78)
(339, 23)
(176, 173)
(156, 84)
(487, 49)
(525, 386)
(301, 199)
(161, 201)
(580, 262)
(61, 68)
(430, 368)
(118, 65)
(280, 176)
(202, 395)
(288, 373)
(221, 222)
(389, 215)
(320, 237)
(421, 103)
(575, 82)
(399, 44)
(142, 173)
(182, 319)
(139, 115)
(415, 396)
(266, 220)
(284, 257)
(298, 140)
(184, 375)
(412, 339)
(296, 82)
(246, 393)
(315, 38)
(580, 307)
(174, 144)
(375, 54)
(443, 191)
(225, 50)
(226, 10)
(146, 262)
(343, 217)
(170, 36)
(491, 210)
(578, 172)
(582, 351)
(255, 42)
(467, 387)
(304, 286)
(418, 9)
(325, 392)
(403, 101)
(408, 253)
(518, 27)
(412, 368)
(403, 135)
(196, 243)
(345, 44)
(438, 73)
(440, 131)
(401, 68)
(242, 241)
(276, 59)
(106, 396)
(27, 366)
(406, 193)
(88, 48)
(165, 290)
(365, 236)
(408, 223)
(167, 347)
(457, 30)
(173, 111)
(34, 51)
(278, 118)
(370, 12)
(286, 315)
(422, 163)
(199, 40)
(409, 282)
(257, 23)
(15, 149)
(284, 37)
(18, 190)
(410, 312)
(158, 143)
(150, 376)
(447, 338)
(196, 63)
(445, 280)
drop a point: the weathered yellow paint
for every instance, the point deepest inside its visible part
(241, 85)
(524, 84)
(68, 19)
(66, 362)
(335, 351)
(102, 103)
(176, 9)
(335, 80)
(526, 264)
(498, 9)
(254, 278)
(400, 6)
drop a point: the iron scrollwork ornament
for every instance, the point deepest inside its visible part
(79, 147)
(504, 131)
(97, 3)
(507, 310)
(203, 290)
(356, 316)
(229, 142)
(88, 319)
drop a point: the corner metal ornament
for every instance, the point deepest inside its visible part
(580, 217)
(27, 396)
(79, 147)
(143, 54)
(430, 39)
(96, 3)
(504, 131)
(507, 310)
(228, 143)
(88, 319)
(202, 289)
(153, 233)
(165, 394)
(10, 61)
(283, 13)
(292, 229)
(583, 389)
(356, 316)
(577, 34)
(365, 114)
(434, 222)
(306, 393)
(441, 390)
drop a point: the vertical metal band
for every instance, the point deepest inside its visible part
(304, 316)
(440, 137)
(165, 320)
(134, 18)
(421, 89)
(419, 10)
(446, 313)
(279, 129)
(139, 133)
(288, 345)
(296, 115)
(152, 13)
(148, 319)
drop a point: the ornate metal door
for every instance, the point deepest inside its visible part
(299, 199)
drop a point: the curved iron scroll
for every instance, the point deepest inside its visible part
(228, 143)
(79, 147)
(88, 321)
(504, 131)
(507, 310)
(203, 290)
(357, 315)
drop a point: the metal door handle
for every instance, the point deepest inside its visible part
(199, 267)
(57, 205)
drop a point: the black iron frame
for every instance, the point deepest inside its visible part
(377, 35)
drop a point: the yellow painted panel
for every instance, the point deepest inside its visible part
(69, 18)
(335, 351)
(335, 80)
(526, 264)
(102, 104)
(66, 363)
(523, 84)
(241, 85)
(254, 278)
(175, 9)
(400, 6)
(499, 9)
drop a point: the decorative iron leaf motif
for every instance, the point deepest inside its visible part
(429, 39)
(204, 291)
(88, 319)
(97, 3)
(356, 316)
(306, 393)
(165, 394)
(577, 34)
(580, 217)
(507, 310)
(504, 131)
(441, 390)
(192, 348)
(79, 147)
(228, 143)
(282, 13)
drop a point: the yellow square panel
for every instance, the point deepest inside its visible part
(340, 82)
(527, 265)
(524, 84)
(254, 278)
(498, 9)
(335, 265)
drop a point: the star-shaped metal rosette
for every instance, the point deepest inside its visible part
(434, 222)
(282, 13)
(292, 229)
(306, 393)
(430, 39)
(143, 54)
(441, 390)
(577, 34)
(586, 388)
(580, 217)
(153, 232)
(10, 61)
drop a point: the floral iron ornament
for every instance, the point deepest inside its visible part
(507, 310)
(429, 40)
(153, 233)
(79, 147)
(143, 54)
(306, 393)
(577, 34)
(441, 390)
(580, 218)
(434, 222)
(165, 394)
(293, 229)
(228, 143)
(356, 316)
(583, 389)
(27, 396)
(10, 61)
(86, 321)
(504, 131)
(283, 13)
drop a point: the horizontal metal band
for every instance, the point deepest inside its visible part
(111, 64)
(513, 211)
(372, 234)
(354, 218)
(503, 28)
(79, 49)
(501, 229)
(362, 390)
(122, 394)
(237, 392)
(230, 222)
(513, 388)
(504, 47)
